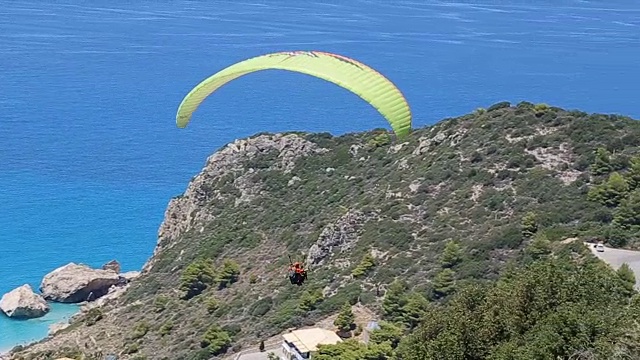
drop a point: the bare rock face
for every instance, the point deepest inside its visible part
(75, 283)
(340, 235)
(112, 265)
(23, 303)
(188, 211)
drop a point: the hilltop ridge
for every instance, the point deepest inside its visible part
(474, 190)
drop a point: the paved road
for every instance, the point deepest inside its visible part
(616, 257)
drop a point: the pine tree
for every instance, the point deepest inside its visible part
(196, 278)
(602, 162)
(633, 176)
(228, 274)
(451, 255)
(346, 319)
(627, 215)
(394, 301)
(366, 264)
(628, 278)
(387, 333)
(539, 247)
(444, 283)
(616, 236)
(611, 192)
(529, 224)
(309, 300)
(416, 306)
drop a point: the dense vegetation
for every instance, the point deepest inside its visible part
(456, 238)
(561, 305)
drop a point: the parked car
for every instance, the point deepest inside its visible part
(599, 248)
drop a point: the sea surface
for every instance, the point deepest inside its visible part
(89, 151)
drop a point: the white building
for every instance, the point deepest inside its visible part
(299, 344)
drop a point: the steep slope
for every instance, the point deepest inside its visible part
(335, 200)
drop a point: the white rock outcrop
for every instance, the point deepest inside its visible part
(74, 283)
(23, 303)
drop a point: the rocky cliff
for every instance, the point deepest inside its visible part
(189, 210)
(361, 210)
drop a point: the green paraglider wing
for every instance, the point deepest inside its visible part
(352, 75)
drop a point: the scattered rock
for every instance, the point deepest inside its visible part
(112, 265)
(23, 303)
(415, 185)
(476, 191)
(426, 143)
(75, 283)
(403, 164)
(393, 149)
(293, 180)
(353, 149)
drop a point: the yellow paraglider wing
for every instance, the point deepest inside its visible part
(352, 75)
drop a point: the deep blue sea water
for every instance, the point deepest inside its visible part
(89, 150)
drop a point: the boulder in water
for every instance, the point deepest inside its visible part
(75, 283)
(23, 303)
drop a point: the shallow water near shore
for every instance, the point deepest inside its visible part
(20, 332)
(90, 151)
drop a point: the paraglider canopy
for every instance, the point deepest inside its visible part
(348, 73)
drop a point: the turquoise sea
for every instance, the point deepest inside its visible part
(89, 151)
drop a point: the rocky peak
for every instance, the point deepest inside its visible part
(185, 212)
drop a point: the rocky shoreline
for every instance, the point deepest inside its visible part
(71, 284)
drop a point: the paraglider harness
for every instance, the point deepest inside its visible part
(297, 273)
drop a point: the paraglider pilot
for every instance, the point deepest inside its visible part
(297, 273)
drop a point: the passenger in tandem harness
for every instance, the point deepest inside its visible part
(297, 273)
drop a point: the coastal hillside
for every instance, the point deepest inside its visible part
(415, 232)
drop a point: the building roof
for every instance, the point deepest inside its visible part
(308, 339)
